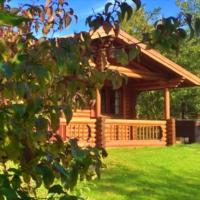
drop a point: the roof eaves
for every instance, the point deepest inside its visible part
(160, 58)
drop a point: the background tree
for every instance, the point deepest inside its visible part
(141, 22)
(184, 101)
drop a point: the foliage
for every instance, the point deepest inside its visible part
(150, 105)
(141, 22)
(185, 102)
(192, 8)
(112, 16)
(165, 33)
(40, 81)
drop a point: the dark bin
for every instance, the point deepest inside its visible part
(188, 129)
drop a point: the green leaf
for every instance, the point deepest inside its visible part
(2, 197)
(55, 119)
(68, 197)
(7, 18)
(7, 70)
(37, 178)
(41, 123)
(16, 182)
(2, 2)
(26, 178)
(48, 177)
(181, 33)
(22, 89)
(19, 109)
(107, 6)
(74, 177)
(24, 195)
(107, 27)
(42, 74)
(8, 193)
(4, 51)
(133, 53)
(56, 189)
(188, 19)
(46, 29)
(137, 3)
(126, 9)
(68, 113)
(67, 20)
(122, 56)
(60, 169)
(14, 170)
(197, 26)
(129, 12)
(4, 181)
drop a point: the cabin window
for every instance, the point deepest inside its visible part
(111, 101)
(117, 102)
(103, 101)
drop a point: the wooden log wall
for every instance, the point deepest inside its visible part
(86, 113)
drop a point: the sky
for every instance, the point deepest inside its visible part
(83, 8)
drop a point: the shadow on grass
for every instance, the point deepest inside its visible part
(164, 185)
(151, 174)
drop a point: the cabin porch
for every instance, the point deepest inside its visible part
(105, 132)
(113, 122)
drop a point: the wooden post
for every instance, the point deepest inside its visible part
(101, 61)
(167, 104)
(98, 103)
(100, 132)
(171, 132)
(134, 100)
(124, 102)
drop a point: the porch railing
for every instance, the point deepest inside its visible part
(105, 132)
(83, 129)
(119, 132)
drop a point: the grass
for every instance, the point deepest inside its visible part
(171, 173)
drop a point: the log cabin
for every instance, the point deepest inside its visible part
(112, 121)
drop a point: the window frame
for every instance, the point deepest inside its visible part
(108, 95)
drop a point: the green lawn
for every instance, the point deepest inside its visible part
(171, 173)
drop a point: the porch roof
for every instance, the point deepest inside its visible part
(179, 77)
